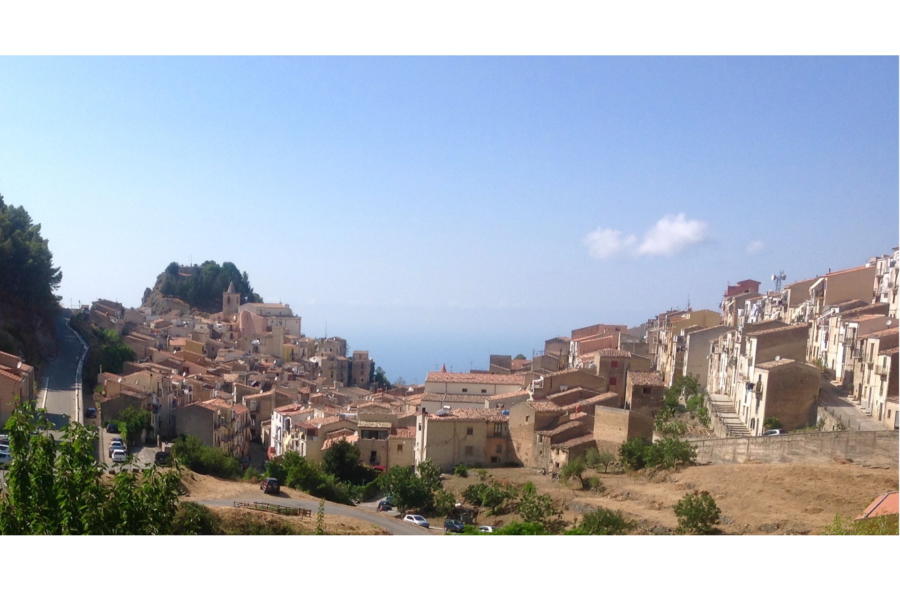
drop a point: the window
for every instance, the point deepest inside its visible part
(484, 391)
(527, 417)
(615, 364)
(420, 427)
(613, 380)
(647, 390)
(470, 450)
(495, 459)
(498, 429)
(465, 390)
(470, 430)
(399, 447)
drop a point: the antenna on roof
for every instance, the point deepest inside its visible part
(778, 278)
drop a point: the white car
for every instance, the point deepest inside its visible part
(116, 445)
(769, 432)
(119, 456)
(485, 529)
(416, 520)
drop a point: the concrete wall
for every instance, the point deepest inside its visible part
(866, 448)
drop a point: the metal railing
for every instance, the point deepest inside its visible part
(274, 508)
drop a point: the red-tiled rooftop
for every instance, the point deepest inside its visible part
(648, 378)
(488, 378)
(583, 440)
(470, 414)
(788, 328)
(885, 504)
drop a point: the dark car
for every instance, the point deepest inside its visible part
(112, 428)
(385, 504)
(163, 459)
(270, 485)
(453, 526)
(90, 412)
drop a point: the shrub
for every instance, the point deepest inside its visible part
(443, 502)
(251, 474)
(669, 453)
(519, 528)
(461, 470)
(602, 522)
(195, 519)
(632, 453)
(594, 484)
(493, 496)
(697, 513)
(537, 508)
(206, 460)
(772, 423)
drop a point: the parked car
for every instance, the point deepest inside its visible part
(270, 485)
(163, 459)
(485, 529)
(112, 428)
(4, 439)
(90, 412)
(384, 505)
(116, 445)
(416, 520)
(773, 432)
(453, 526)
(5, 458)
(119, 456)
(4, 447)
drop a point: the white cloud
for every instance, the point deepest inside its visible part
(755, 247)
(603, 243)
(671, 235)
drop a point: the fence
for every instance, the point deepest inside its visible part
(275, 508)
(867, 448)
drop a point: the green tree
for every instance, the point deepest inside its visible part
(772, 423)
(595, 459)
(537, 508)
(380, 380)
(574, 469)
(406, 488)
(133, 422)
(205, 460)
(59, 488)
(28, 281)
(602, 522)
(632, 453)
(697, 513)
(342, 461)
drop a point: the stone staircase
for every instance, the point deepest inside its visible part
(722, 410)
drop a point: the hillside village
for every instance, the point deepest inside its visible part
(813, 356)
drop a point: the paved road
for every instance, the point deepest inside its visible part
(58, 388)
(836, 402)
(392, 525)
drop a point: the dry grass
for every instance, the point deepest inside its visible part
(754, 498)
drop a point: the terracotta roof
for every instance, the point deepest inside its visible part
(403, 432)
(885, 504)
(544, 406)
(567, 426)
(882, 333)
(470, 414)
(593, 400)
(798, 327)
(488, 378)
(893, 350)
(10, 375)
(614, 353)
(649, 378)
(583, 440)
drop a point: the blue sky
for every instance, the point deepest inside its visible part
(434, 210)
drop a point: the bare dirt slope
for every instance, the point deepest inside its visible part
(204, 487)
(754, 498)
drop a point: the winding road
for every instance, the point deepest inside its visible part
(392, 525)
(60, 392)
